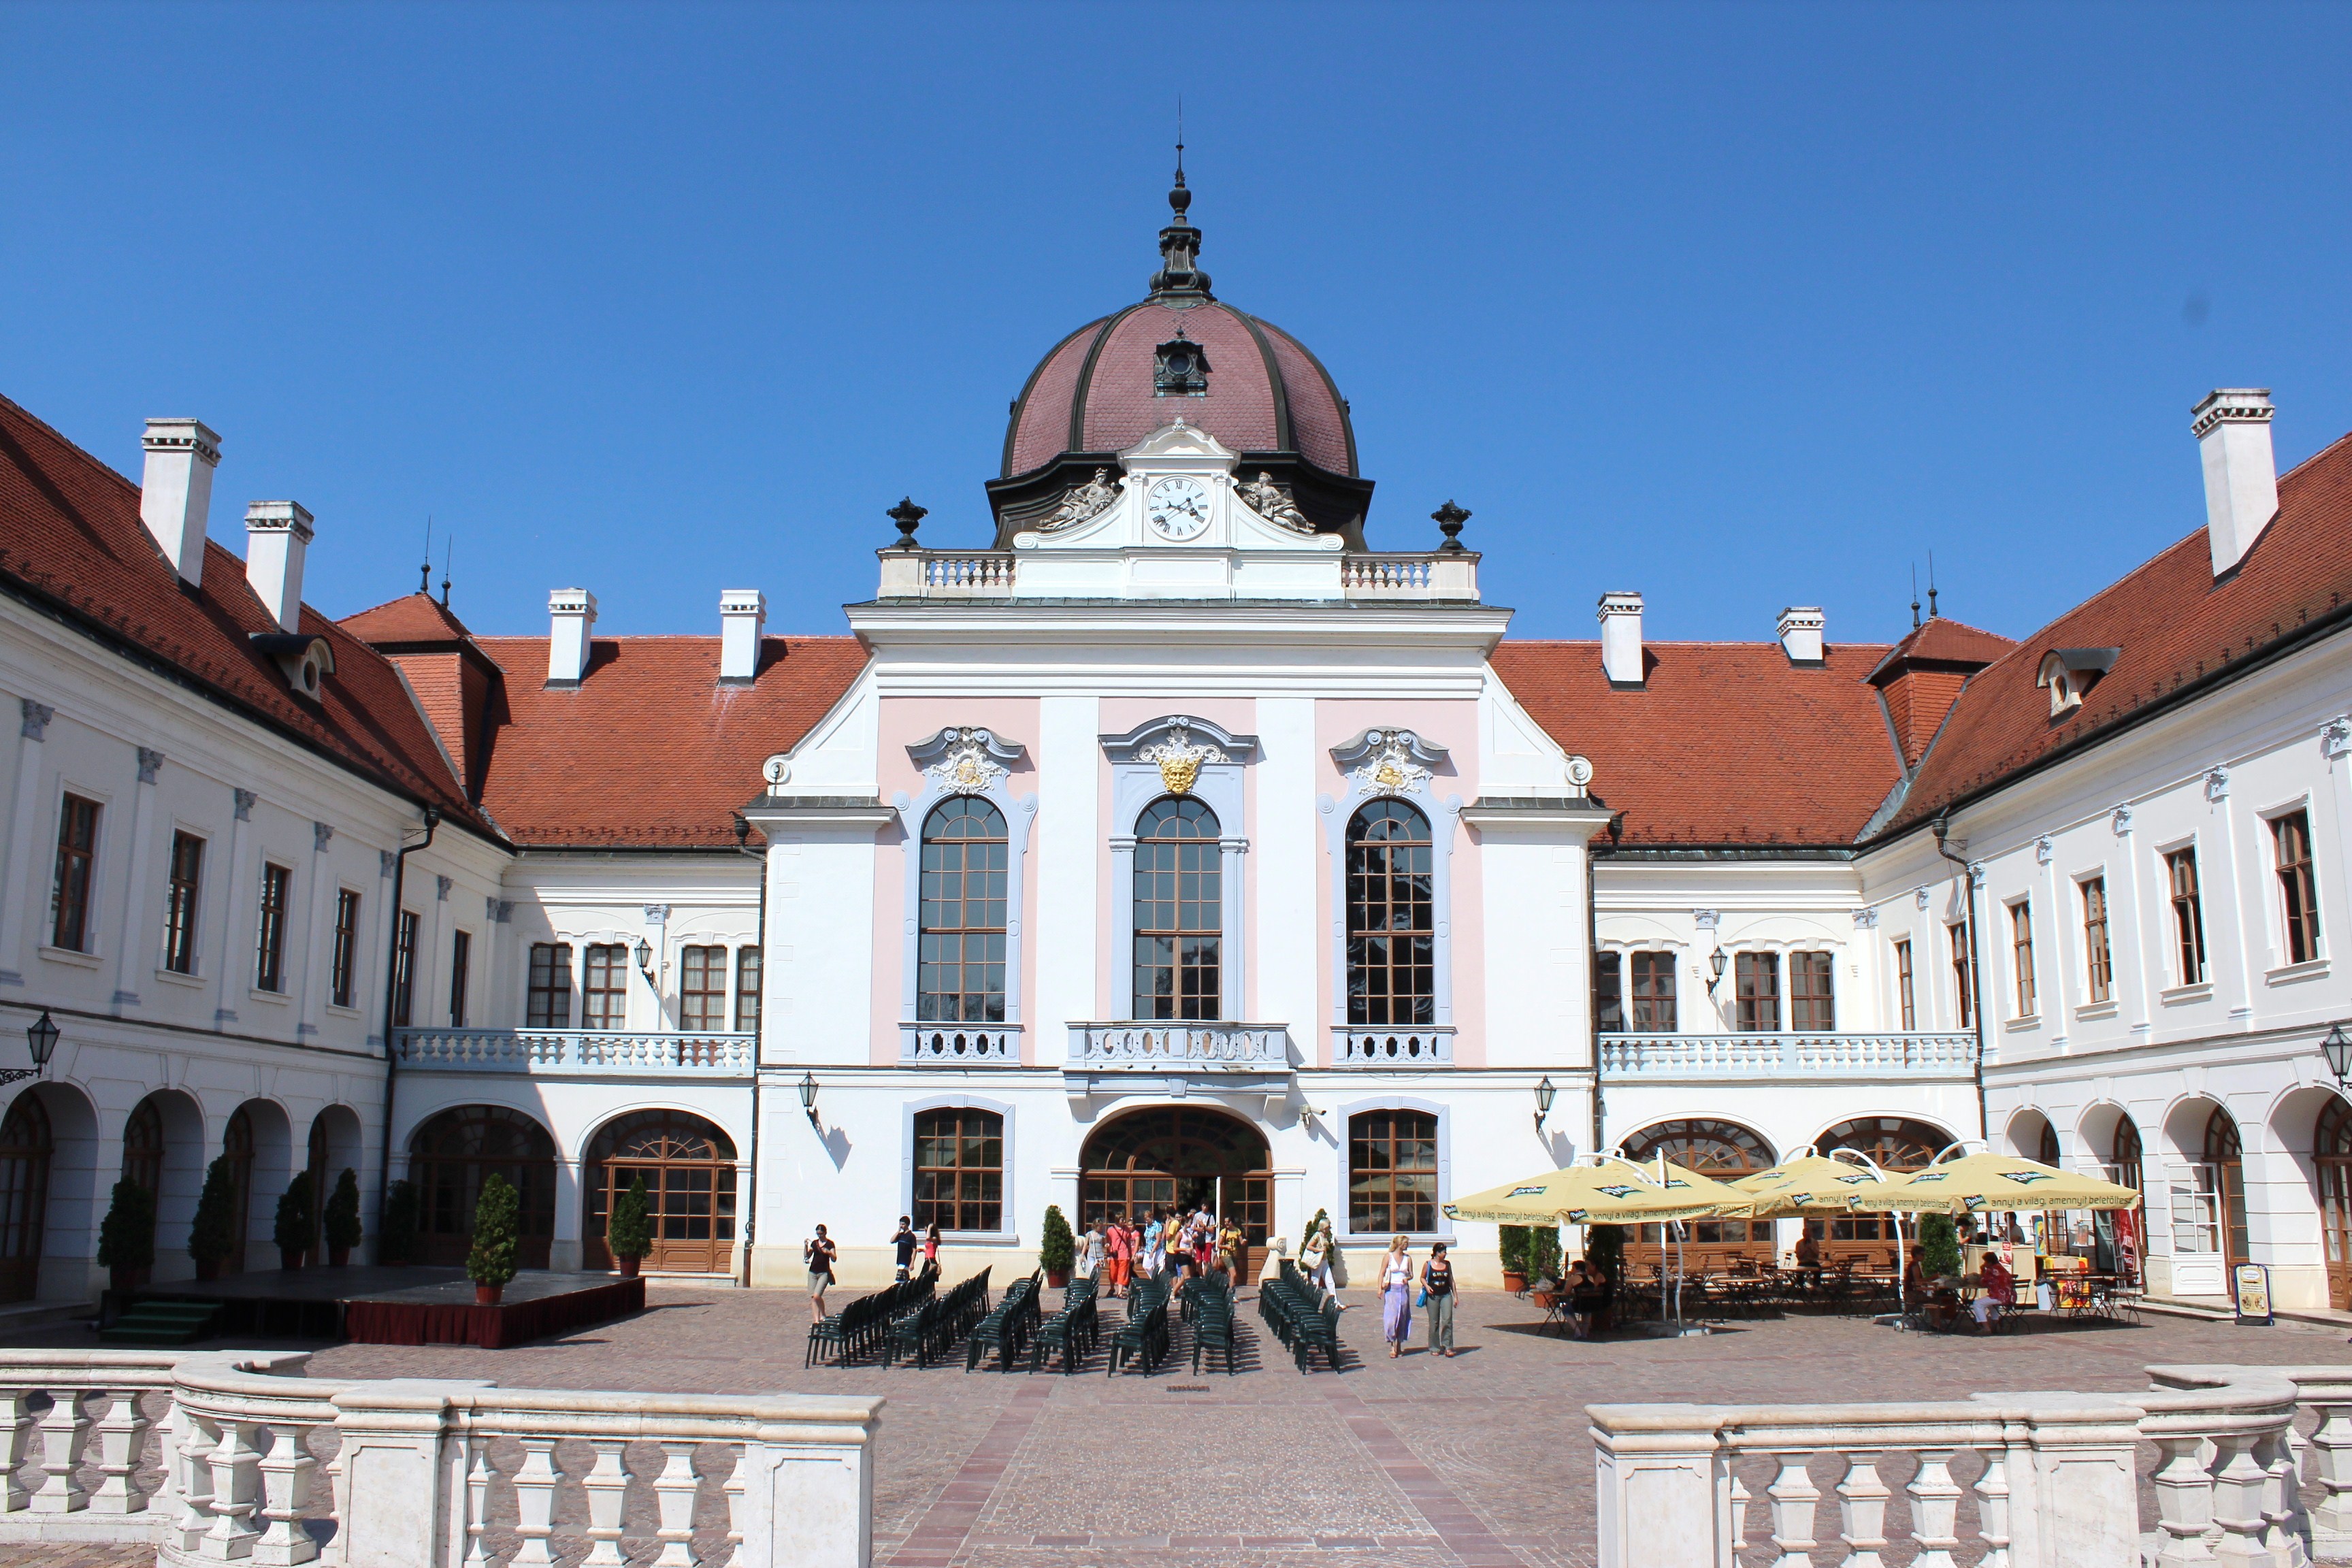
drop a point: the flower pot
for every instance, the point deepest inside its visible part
(487, 1295)
(290, 1258)
(208, 1268)
(127, 1279)
(1515, 1281)
(1057, 1281)
(629, 1266)
(339, 1257)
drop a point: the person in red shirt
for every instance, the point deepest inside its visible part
(1120, 1243)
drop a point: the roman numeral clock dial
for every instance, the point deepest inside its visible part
(1179, 508)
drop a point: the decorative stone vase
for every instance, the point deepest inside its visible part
(487, 1295)
(629, 1266)
(208, 1269)
(339, 1257)
(290, 1258)
(1515, 1281)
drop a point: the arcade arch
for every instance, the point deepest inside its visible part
(688, 1167)
(452, 1153)
(1724, 1150)
(1175, 1156)
(1893, 1143)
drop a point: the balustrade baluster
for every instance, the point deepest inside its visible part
(2331, 1471)
(20, 1416)
(2184, 1500)
(534, 1485)
(1793, 1496)
(339, 1498)
(285, 1489)
(1935, 1508)
(477, 1499)
(193, 1457)
(735, 1488)
(606, 1483)
(1862, 1510)
(2284, 1524)
(1740, 1498)
(674, 1491)
(64, 1431)
(2239, 1484)
(1992, 1507)
(236, 1486)
(121, 1437)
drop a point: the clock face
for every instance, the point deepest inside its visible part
(1180, 507)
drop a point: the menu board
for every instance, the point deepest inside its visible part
(2253, 1293)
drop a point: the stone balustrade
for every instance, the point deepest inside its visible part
(1441, 574)
(2056, 1486)
(262, 1464)
(575, 1052)
(1404, 1045)
(1734, 1057)
(947, 574)
(1187, 1043)
(959, 1045)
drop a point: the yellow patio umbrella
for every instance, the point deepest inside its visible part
(1809, 1186)
(1602, 1189)
(1982, 1182)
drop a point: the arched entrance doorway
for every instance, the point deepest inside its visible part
(450, 1156)
(144, 1147)
(2331, 1148)
(1893, 1143)
(1724, 1152)
(25, 1144)
(688, 1165)
(1175, 1156)
(2218, 1195)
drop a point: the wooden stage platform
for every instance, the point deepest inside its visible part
(399, 1306)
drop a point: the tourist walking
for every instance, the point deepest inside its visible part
(931, 1248)
(1437, 1299)
(1118, 1245)
(1396, 1295)
(819, 1252)
(1090, 1251)
(1155, 1236)
(904, 1245)
(1232, 1248)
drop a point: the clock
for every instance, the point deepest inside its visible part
(1179, 508)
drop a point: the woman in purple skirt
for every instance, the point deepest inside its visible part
(1396, 1295)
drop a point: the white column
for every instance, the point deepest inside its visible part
(16, 892)
(1234, 982)
(1069, 844)
(1288, 839)
(228, 957)
(368, 981)
(318, 942)
(131, 951)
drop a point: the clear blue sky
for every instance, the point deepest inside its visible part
(1740, 306)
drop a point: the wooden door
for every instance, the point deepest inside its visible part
(25, 1146)
(689, 1168)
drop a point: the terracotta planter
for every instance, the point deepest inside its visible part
(1515, 1282)
(290, 1258)
(127, 1279)
(487, 1295)
(339, 1257)
(1057, 1281)
(208, 1268)
(629, 1266)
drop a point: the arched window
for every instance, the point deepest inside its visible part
(960, 1169)
(2331, 1148)
(1179, 911)
(2048, 1154)
(2226, 1157)
(962, 920)
(1391, 924)
(2128, 1165)
(449, 1158)
(1391, 1172)
(688, 1167)
(1893, 1143)
(143, 1147)
(1724, 1150)
(25, 1145)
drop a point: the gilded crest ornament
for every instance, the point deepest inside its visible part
(1179, 757)
(966, 764)
(1389, 768)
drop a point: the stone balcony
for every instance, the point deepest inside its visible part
(1364, 577)
(1724, 1057)
(1393, 1046)
(576, 1053)
(1170, 1057)
(959, 1045)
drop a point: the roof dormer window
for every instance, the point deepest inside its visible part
(2069, 673)
(306, 661)
(1179, 368)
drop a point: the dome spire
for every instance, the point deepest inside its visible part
(1179, 242)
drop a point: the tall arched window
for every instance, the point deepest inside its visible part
(1723, 1151)
(1893, 1143)
(1391, 1172)
(960, 1169)
(24, 1147)
(450, 1156)
(688, 1167)
(1179, 914)
(2226, 1155)
(1391, 924)
(962, 920)
(2331, 1146)
(143, 1147)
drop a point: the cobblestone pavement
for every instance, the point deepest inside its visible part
(1481, 1461)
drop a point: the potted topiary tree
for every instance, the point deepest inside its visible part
(396, 1238)
(629, 1232)
(343, 1219)
(1543, 1252)
(1939, 1247)
(297, 1222)
(1513, 1246)
(211, 1235)
(491, 1263)
(1057, 1247)
(126, 1238)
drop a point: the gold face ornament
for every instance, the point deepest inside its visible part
(1179, 773)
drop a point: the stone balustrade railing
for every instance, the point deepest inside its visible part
(1404, 1045)
(2055, 1482)
(947, 574)
(1441, 574)
(1261, 1046)
(1723, 1057)
(575, 1052)
(959, 1045)
(259, 1463)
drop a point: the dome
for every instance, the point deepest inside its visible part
(1181, 352)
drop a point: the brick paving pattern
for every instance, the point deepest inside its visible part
(1483, 1461)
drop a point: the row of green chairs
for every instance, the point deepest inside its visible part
(1293, 1307)
(1144, 1336)
(1209, 1306)
(1007, 1329)
(865, 1324)
(1073, 1330)
(926, 1333)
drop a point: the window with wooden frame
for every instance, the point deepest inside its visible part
(461, 964)
(1391, 1172)
(69, 899)
(269, 939)
(343, 976)
(962, 925)
(960, 1170)
(547, 1005)
(1609, 993)
(2187, 916)
(1904, 987)
(1759, 992)
(702, 989)
(403, 969)
(747, 990)
(604, 988)
(1653, 992)
(2021, 954)
(181, 899)
(2298, 888)
(1179, 911)
(1392, 922)
(1813, 992)
(2098, 958)
(1963, 973)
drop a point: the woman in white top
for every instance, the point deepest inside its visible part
(1396, 1295)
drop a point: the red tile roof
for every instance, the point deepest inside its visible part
(1924, 675)
(411, 618)
(1728, 743)
(2175, 627)
(649, 750)
(70, 540)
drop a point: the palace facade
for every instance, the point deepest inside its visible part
(1172, 843)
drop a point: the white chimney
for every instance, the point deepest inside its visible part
(1800, 633)
(1621, 638)
(742, 615)
(572, 614)
(175, 497)
(2232, 427)
(277, 533)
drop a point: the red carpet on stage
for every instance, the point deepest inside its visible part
(521, 1317)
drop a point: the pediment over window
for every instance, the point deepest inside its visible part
(1389, 759)
(966, 757)
(1178, 730)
